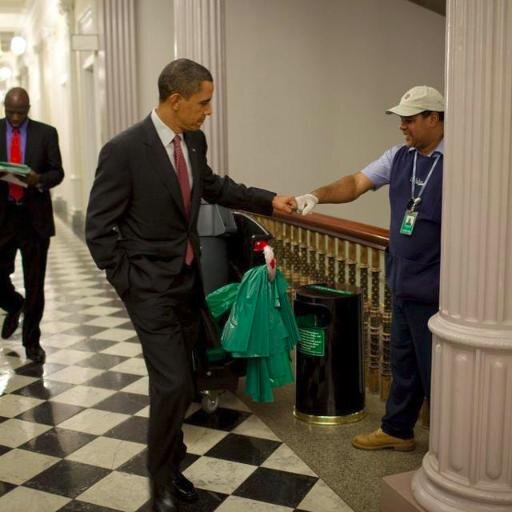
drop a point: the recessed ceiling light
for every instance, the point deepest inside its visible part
(5, 73)
(18, 45)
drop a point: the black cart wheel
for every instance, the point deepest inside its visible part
(210, 402)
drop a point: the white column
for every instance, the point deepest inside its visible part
(469, 465)
(67, 8)
(119, 37)
(199, 36)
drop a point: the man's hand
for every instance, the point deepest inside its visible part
(306, 203)
(284, 204)
(31, 179)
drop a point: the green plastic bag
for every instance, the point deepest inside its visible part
(221, 300)
(261, 327)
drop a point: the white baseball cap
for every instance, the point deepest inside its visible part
(417, 100)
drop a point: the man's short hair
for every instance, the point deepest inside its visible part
(426, 113)
(182, 76)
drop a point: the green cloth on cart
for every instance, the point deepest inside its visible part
(219, 301)
(261, 327)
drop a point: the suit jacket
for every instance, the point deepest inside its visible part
(136, 208)
(42, 154)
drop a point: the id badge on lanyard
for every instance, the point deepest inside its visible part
(408, 222)
(411, 214)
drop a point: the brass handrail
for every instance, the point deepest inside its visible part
(372, 236)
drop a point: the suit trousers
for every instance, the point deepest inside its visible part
(165, 312)
(411, 363)
(17, 234)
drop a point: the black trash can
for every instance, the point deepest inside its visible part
(330, 377)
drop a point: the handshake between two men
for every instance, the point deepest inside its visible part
(301, 204)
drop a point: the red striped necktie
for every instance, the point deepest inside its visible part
(15, 191)
(182, 173)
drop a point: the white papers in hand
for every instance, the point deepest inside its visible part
(11, 178)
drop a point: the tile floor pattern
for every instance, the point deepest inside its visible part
(72, 432)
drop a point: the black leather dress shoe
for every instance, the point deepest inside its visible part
(164, 500)
(11, 322)
(184, 488)
(36, 353)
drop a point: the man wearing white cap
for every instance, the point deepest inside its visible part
(414, 173)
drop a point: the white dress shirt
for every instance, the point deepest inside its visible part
(166, 135)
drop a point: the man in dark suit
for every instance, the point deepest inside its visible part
(26, 216)
(142, 229)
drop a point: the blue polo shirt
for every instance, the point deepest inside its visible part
(412, 261)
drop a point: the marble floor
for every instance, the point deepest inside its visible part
(72, 431)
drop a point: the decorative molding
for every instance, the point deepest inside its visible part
(468, 336)
(84, 42)
(85, 22)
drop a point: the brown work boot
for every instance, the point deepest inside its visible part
(379, 440)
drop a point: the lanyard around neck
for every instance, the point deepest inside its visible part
(413, 181)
